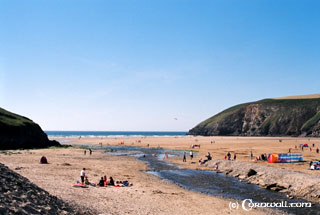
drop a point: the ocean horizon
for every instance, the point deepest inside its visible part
(115, 133)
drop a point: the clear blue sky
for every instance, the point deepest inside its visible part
(136, 65)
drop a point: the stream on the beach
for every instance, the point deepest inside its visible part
(205, 181)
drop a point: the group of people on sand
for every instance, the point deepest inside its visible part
(185, 156)
(228, 156)
(262, 157)
(302, 146)
(103, 182)
(85, 152)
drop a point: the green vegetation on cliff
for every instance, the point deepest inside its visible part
(17, 132)
(12, 119)
(268, 117)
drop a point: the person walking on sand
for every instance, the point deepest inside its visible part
(251, 155)
(85, 152)
(82, 175)
(191, 154)
(235, 156)
(184, 157)
(90, 151)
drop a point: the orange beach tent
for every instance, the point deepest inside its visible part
(273, 158)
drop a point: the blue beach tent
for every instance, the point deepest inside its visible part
(289, 158)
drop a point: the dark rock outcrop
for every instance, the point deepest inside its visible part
(18, 132)
(269, 117)
(19, 196)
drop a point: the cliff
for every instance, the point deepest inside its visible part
(18, 132)
(268, 117)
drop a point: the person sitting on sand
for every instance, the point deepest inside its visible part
(111, 182)
(86, 182)
(200, 161)
(105, 180)
(209, 156)
(101, 182)
(43, 160)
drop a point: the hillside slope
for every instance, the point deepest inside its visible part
(17, 132)
(268, 117)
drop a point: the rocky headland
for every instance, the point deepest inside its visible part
(297, 116)
(18, 132)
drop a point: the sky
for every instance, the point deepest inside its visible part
(136, 65)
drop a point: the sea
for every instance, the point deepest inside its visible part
(93, 134)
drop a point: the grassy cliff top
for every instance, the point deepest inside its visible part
(311, 96)
(12, 119)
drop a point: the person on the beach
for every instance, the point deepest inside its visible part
(86, 182)
(229, 156)
(209, 156)
(200, 161)
(101, 182)
(191, 155)
(85, 152)
(234, 156)
(90, 151)
(317, 150)
(82, 175)
(251, 155)
(184, 157)
(105, 180)
(111, 182)
(43, 160)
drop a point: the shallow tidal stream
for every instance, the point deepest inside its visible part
(208, 182)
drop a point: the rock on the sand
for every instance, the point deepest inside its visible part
(294, 183)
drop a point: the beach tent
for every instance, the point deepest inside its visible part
(290, 158)
(273, 158)
(285, 158)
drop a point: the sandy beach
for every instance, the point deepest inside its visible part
(149, 194)
(219, 147)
